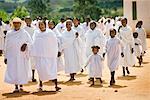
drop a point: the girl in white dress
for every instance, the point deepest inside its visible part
(95, 64)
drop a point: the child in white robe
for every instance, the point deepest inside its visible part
(137, 48)
(95, 64)
(142, 36)
(113, 50)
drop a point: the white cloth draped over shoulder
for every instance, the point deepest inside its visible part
(114, 48)
(138, 47)
(18, 66)
(127, 39)
(71, 49)
(44, 50)
(94, 38)
(142, 36)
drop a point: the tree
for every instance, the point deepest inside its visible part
(4, 15)
(84, 8)
(20, 12)
(39, 7)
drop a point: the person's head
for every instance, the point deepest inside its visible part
(68, 25)
(92, 25)
(124, 22)
(17, 23)
(135, 35)
(139, 24)
(51, 24)
(108, 20)
(42, 25)
(7, 22)
(112, 33)
(76, 22)
(87, 19)
(62, 20)
(28, 20)
(1, 19)
(95, 49)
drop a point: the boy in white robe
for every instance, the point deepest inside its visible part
(137, 48)
(126, 36)
(95, 65)
(142, 36)
(30, 29)
(113, 50)
(17, 48)
(71, 50)
(46, 56)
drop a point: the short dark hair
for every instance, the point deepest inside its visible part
(135, 34)
(97, 47)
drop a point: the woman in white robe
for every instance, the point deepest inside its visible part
(94, 37)
(17, 47)
(71, 50)
(126, 36)
(142, 36)
(45, 50)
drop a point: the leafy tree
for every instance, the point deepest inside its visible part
(87, 7)
(39, 7)
(20, 12)
(4, 15)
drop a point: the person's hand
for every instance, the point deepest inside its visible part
(5, 61)
(132, 50)
(77, 34)
(136, 44)
(122, 55)
(23, 47)
(103, 55)
(59, 54)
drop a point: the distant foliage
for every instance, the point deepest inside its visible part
(4, 15)
(20, 11)
(39, 7)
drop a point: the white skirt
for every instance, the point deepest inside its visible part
(46, 68)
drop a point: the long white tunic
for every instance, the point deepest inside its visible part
(126, 37)
(142, 36)
(95, 65)
(2, 35)
(138, 47)
(94, 37)
(113, 49)
(71, 49)
(30, 31)
(18, 66)
(44, 50)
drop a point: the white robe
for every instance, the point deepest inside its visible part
(138, 48)
(142, 36)
(127, 39)
(113, 49)
(60, 27)
(30, 31)
(18, 66)
(94, 38)
(71, 48)
(2, 35)
(95, 65)
(44, 50)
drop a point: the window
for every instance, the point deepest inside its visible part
(134, 10)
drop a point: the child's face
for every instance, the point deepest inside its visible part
(69, 25)
(28, 21)
(51, 25)
(112, 33)
(124, 22)
(95, 50)
(42, 26)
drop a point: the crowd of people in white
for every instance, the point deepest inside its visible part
(70, 46)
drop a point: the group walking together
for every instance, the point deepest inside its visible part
(71, 46)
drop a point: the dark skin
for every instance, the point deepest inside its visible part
(93, 26)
